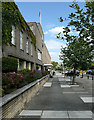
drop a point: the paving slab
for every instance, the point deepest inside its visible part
(68, 80)
(80, 114)
(87, 99)
(47, 84)
(81, 119)
(65, 86)
(55, 114)
(31, 113)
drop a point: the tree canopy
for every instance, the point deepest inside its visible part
(54, 65)
(81, 21)
(80, 47)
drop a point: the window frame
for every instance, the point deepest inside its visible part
(21, 40)
(13, 35)
(27, 47)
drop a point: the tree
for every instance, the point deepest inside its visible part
(81, 21)
(79, 50)
(76, 55)
(54, 65)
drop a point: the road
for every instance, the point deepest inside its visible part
(57, 100)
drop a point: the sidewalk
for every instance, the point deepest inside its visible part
(57, 100)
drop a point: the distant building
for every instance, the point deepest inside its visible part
(42, 51)
(24, 50)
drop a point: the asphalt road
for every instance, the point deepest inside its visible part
(57, 100)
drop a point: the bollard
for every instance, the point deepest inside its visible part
(92, 77)
(88, 77)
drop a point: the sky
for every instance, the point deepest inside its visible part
(50, 14)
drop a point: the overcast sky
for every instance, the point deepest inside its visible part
(50, 14)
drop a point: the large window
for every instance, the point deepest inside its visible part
(21, 40)
(39, 55)
(13, 35)
(31, 50)
(27, 47)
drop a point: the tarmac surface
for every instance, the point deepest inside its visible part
(58, 100)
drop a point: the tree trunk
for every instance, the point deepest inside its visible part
(73, 80)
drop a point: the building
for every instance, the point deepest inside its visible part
(42, 51)
(29, 55)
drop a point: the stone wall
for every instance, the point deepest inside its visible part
(13, 103)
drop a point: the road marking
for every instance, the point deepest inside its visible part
(31, 113)
(80, 114)
(87, 99)
(61, 80)
(47, 84)
(68, 80)
(68, 92)
(75, 92)
(65, 86)
(54, 114)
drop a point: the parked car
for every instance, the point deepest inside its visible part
(77, 72)
(70, 73)
(91, 72)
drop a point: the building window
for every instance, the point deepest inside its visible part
(21, 40)
(13, 35)
(27, 47)
(39, 55)
(31, 50)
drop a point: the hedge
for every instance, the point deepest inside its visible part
(9, 64)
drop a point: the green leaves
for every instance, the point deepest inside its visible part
(61, 20)
(76, 55)
(12, 16)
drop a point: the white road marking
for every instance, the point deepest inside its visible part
(75, 92)
(68, 80)
(88, 99)
(54, 114)
(61, 80)
(80, 114)
(68, 92)
(31, 113)
(65, 86)
(47, 84)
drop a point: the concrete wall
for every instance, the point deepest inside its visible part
(15, 102)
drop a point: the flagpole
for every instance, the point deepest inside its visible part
(40, 16)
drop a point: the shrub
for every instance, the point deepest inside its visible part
(24, 71)
(44, 73)
(9, 64)
(11, 81)
(37, 74)
(32, 76)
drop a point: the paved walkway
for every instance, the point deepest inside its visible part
(57, 100)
